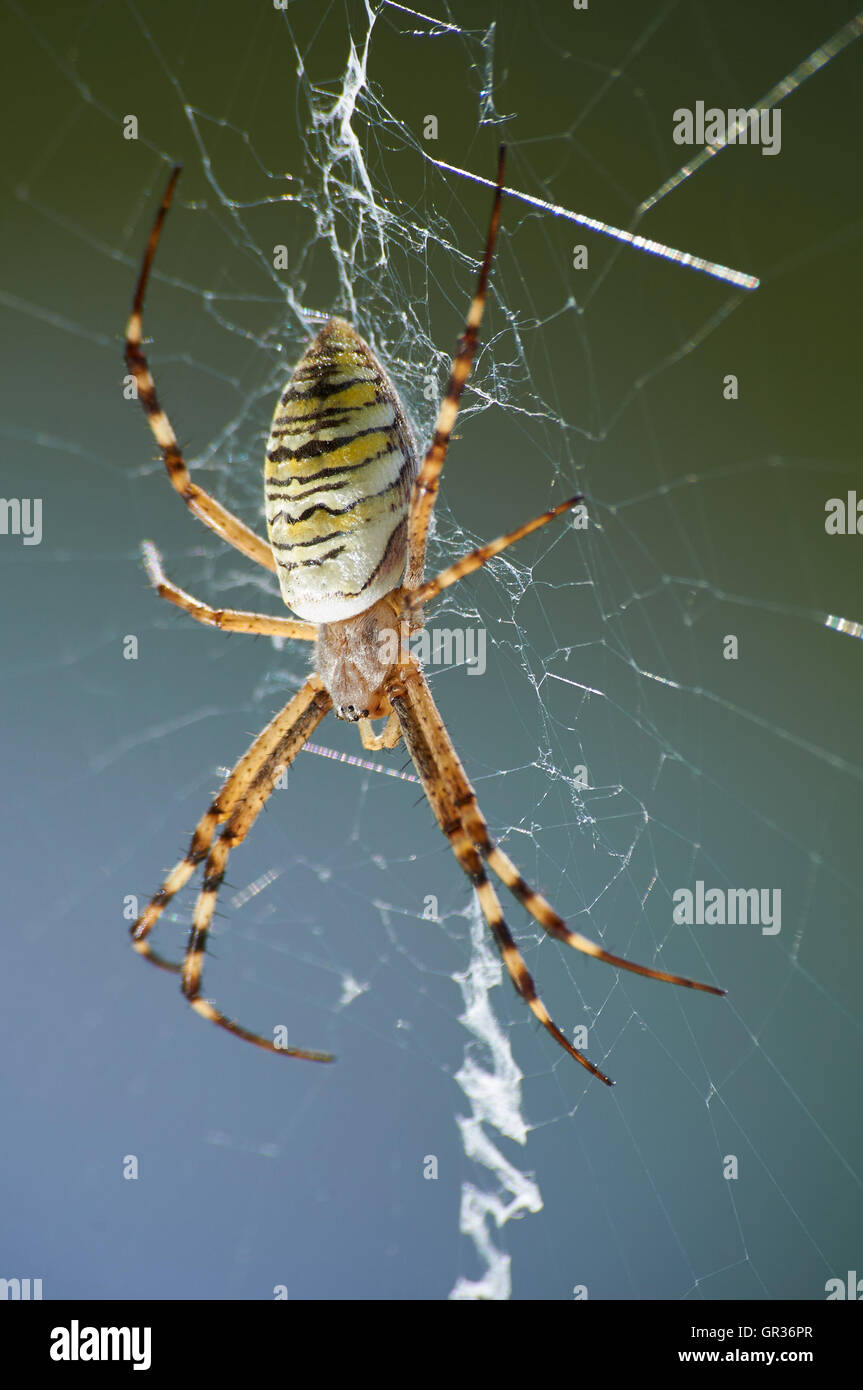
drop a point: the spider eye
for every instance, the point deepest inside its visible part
(351, 713)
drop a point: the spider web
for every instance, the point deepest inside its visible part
(617, 754)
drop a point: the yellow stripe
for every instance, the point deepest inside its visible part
(322, 526)
(348, 455)
(333, 492)
(361, 393)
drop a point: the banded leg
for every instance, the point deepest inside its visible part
(228, 619)
(534, 903)
(438, 764)
(232, 791)
(235, 830)
(541, 911)
(427, 480)
(419, 738)
(521, 977)
(543, 914)
(205, 507)
(475, 559)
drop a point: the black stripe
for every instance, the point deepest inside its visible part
(401, 525)
(342, 593)
(344, 468)
(313, 424)
(319, 540)
(313, 364)
(296, 424)
(304, 564)
(323, 387)
(339, 511)
(317, 365)
(279, 491)
(316, 447)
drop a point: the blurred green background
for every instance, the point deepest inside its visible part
(604, 650)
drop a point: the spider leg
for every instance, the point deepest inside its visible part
(228, 619)
(536, 905)
(542, 912)
(427, 480)
(235, 830)
(521, 977)
(387, 738)
(475, 559)
(205, 507)
(432, 764)
(232, 791)
(471, 818)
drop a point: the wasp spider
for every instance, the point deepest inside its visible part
(348, 508)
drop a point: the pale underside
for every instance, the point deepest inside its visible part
(341, 462)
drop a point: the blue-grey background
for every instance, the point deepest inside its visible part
(708, 520)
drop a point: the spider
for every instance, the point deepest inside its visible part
(348, 508)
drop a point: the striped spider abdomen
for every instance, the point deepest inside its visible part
(341, 460)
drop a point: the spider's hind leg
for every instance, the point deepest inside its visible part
(521, 977)
(447, 789)
(544, 914)
(232, 792)
(302, 715)
(423, 709)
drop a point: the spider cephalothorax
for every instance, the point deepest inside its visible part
(354, 659)
(348, 510)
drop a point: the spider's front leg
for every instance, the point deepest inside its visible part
(199, 502)
(387, 738)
